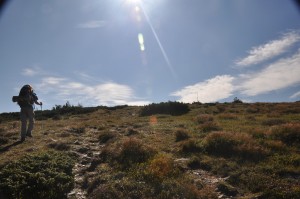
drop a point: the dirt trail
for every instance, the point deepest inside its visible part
(208, 179)
(85, 148)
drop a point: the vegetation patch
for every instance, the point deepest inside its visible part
(169, 108)
(181, 134)
(215, 150)
(133, 151)
(105, 137)
(45, 175)
(209, 126)
(288, 133)
(190, 146)
(203, 118)
(229, 144)
(3, 140)
(273, 122)
(60, 146)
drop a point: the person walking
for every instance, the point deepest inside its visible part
(26, 100)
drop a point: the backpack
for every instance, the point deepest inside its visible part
(26, 96)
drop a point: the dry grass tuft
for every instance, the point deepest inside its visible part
(229, 144)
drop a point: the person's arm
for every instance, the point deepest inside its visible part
(38, 103)
(36, 100)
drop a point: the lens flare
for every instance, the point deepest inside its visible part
(141, 38)
(159, 43)
(141, 41)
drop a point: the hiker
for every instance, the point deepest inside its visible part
(26, 100)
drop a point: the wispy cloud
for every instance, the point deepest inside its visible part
(295, 95)
(108, 93)
(92, 24)
(269, 50)
(211, 90)
(278, 75)
(31, 71)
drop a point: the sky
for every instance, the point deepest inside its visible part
(136, 52)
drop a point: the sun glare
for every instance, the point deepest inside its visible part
(133, 1)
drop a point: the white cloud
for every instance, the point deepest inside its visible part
(29, 72)
(108, 93)
(92, 24)
(295, 95)
(278, 75)
(211, 90)
(269, 50)
(32, 71)
(52, 81)
(281, 74)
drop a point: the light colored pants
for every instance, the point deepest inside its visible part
(27, 114)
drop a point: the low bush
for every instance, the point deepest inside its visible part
(194, 163)
(181, 134)
(228, 116)
(105, 137)
(190, 146)
(287, 133)
(160, 167)
(227, 189)
(266, 185)
(169, 108)
(209, 126)
(45, 175)
(228, 144)
(60, 146)
(203, 118)
(273, 122)
(133, 151)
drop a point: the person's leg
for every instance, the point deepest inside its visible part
(23, 115)
(31, 121)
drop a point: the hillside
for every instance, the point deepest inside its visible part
(216, 150)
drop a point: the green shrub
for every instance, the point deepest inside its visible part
(57, 117)
(203, 118)
(236, 100)
(273, 122)
(266, 185)
(190, 146)
(45, 175)
(228, 144)
(132, 152)
(169, 108)
(181, 134)
(105, 137)
(288, 133)
(227, 189)
(194, 163)
(209, 126)
(60, 146)
(160, 167)
(228, 116)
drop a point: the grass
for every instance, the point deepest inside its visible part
(254, 147)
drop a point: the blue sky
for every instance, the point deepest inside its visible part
(113, 52)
